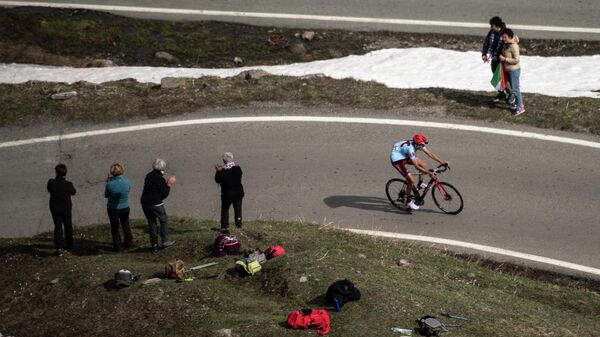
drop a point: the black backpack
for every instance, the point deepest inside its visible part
(341, 292)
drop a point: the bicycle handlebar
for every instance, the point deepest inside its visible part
(441, 168)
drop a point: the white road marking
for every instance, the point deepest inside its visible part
(181, 11)
(482, 248)
(304, 119)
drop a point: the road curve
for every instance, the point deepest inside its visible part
(527, 195)
(555, 17)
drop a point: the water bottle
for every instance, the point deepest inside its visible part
(338, 305)
(406, 332)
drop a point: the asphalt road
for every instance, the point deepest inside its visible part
(531, 196)
(555, 13)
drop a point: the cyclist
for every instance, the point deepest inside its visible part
(403, 153)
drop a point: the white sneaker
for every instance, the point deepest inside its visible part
(412, 205)
(423, 186)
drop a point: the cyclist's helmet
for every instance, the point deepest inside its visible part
(420, 139)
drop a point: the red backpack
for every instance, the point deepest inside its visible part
(226, 245)
(274, 251)
(308, 318)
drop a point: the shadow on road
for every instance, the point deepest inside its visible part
(362, 202)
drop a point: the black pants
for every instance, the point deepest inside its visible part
(494, 64)
(62, 239)
(157, 212)
(120, 218)
(237, 210)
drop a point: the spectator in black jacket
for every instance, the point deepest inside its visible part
(492, 48)
(156, 189)
(229, 176)
(61, 191)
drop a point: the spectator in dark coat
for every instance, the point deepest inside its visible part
(156, 189)
(61, 191)
(229, 176)
(117, 192)
(492, 48)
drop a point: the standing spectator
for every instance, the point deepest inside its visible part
(156, 189)
(117, 192)
(492, 48)
(61, 191)
(511, 58)
(229, 176)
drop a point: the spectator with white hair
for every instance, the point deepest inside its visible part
(156, 189)
(229, 176)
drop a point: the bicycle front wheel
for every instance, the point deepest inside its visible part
(396, 192)
(447, 198)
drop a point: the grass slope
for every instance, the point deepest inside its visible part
(82, 302)
(76, 37)
(28, 104)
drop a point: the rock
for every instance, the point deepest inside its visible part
(225, 333)
(100, 63)
(303, 279)
(254, 74)
(311, 76)
(298, 49)
(334, 53)
(64, 95)
(165, 56)
(308, 35)
(404, 263)
(277, 40)
(151, 281)
(55, 281)
(176, 82)
(362, 256)
(238, 60)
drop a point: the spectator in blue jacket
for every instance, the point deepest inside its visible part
(117, 192)
(492, 48)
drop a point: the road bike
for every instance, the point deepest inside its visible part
(445, 196)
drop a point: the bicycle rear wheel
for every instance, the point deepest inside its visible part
(447, 198)
(396, 192)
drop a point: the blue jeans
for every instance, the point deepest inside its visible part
(515, 87)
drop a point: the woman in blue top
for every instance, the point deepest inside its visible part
(117, 192)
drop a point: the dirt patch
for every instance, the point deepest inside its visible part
(73, 37)
(29, 103)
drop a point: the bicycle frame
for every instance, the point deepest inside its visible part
(432, 181)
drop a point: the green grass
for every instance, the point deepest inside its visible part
(83, 302)
(29, 103)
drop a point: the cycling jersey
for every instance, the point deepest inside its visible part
(403, 150)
